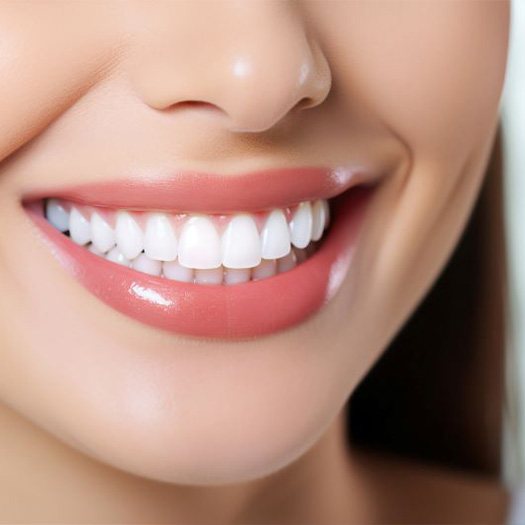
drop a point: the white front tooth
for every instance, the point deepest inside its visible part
(211, 276)
(144, 264)
(318, 219)
(102, 234)
(79, 228)
(116, 256)
(236, 275)
(173, 270)
(93, 249)
(275, 236)
(130, 239)
(199, 244)
(267, 268)
(301, 225)
(326, 208)
(241, 245)
(160, 242)
(286, 263)
(57, 215)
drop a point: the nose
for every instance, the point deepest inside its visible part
(250, 63)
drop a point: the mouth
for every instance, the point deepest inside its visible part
(207, 255)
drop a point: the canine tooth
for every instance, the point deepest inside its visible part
(199, 244)
(286, 263)
(318, 219)
(79, 227)
(129, 235)
(236, 275)
(144, 264)
(211, 276)
(241, 245)
(275, 236)
(160, 242)
(267, 268)
(102, 234)
(173, 270)
(57, 215)
(116, 256)
(301, 225)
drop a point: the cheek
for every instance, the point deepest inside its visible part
(431, 74)
(51, 53)
(431, 71)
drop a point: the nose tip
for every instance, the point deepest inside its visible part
(252, 75)
(260, 91)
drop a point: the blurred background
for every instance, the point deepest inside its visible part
(513, 117)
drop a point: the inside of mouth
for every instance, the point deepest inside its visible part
(200, 248)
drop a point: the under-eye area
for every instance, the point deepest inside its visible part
(196, 247)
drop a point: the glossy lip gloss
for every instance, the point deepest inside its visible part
(250, 309)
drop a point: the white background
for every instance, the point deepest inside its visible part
(513, 116)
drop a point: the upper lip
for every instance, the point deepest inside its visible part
(213, 193)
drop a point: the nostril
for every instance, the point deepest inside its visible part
(194, 103)
(304, 103)
(197, 104)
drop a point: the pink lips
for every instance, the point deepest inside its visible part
(210, 193)
(245, 310)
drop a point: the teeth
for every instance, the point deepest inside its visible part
(275, 236)
(57, 215)
(102, 234)
(318, 220)
(241, 246)
(173, 270)
(93, 249)
(211, 276)
(300, 255)
(199, 244)
(79, 227)
(326, 213)
(287, 263)
(160, 242)
(129, 235)
(236, 275)
(301, 225)
(190, 248)
(267, 268)
(144, 264)
(116, 256)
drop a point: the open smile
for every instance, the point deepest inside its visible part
(210, 255)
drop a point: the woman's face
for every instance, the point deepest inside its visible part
(210, 383)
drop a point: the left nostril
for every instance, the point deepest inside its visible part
(304, 103)
(198, 104)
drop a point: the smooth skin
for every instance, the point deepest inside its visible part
(107, 420)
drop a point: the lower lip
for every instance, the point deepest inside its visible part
(245, 310)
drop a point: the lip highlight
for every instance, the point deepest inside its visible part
(211, 193)
(250, 309)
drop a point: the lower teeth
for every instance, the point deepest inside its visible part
(221, 275)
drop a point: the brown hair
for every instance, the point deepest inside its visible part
(437, 391)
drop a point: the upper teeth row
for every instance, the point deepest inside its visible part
(196, 242)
